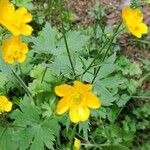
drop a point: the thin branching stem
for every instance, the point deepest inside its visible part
(106, 53)
(66, 43)
(72, 136)
(45, 70)
(141, 97)
(91, 64)
(106, 43)
(21, 82)
(67, 48)
(95, 145)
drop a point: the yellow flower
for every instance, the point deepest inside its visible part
(15, 20)
(14, 49)
(76, 144)
(132, 19)
(77, 99)
(5, 104)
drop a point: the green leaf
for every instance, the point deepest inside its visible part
(34, 132)
(107, 67)
(61, 64)
(47, 110)
(111, 59)
(146, 63)
(28, 114)
(6, 71)
(6, 140)
(75, 41)
(124, 98)
(5, 68)
(112, 81)
(84, 127)
(112, 114)
(43, 73)
(132, 86)
(3, 79)
(37, 87)
(24, 136)
(105, 96)
(106, 70)
(46, 41)
(131, 69)
(27, 65)
(101, 112)
(25, 3)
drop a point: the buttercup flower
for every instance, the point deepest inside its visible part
(14, 49)
(15, 20)
(5, 104)
(132, 19)
(77, 99)
(76, 144)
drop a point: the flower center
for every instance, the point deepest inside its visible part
(76, 99)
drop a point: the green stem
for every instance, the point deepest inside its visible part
(141, 97)
(90, 65)
(22, 84)
(66, 43)
(3, 132)
(106, 43)
(143, 78)
(95, 145)
(44, 74)
(142, 41)
(105, 55)
(67, 48)
(72, 136)
(19, 67)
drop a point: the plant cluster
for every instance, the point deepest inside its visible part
(71, 87)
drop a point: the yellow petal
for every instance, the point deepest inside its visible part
(82, 87)
(62, 106)
(21, 58)
(143, 28)
(74, 115)
(138, 30)
(133, 21)
(24, 48)
(14, 49)
(12, 29)
(76, 144)
(8, 107)
(92, 100)
(84, 113)
(6, 15)
(26, 30)
(126, 11)
(5, 104)
(64, 90)
(8, 59)
(138, 15)
(23, 14)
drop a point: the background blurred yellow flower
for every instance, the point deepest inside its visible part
(132, 19)
(15, 20)
(77, 99)
(5, 104)
(76, 144)
(14, 49)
